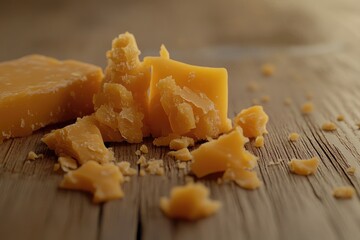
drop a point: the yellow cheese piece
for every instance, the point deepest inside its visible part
(125, 68)
(165, 140)
(182, 154)
(103, 181)
(200, 89)
(253, 121)
(227, 151)
(37, 91)
(344, 192)
(81, 141)
(304, 167)
(180, 143)
(189, 202)
(244, 178)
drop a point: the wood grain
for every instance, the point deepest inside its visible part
(314, 47)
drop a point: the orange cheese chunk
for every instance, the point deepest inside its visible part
(103, 181)
(304, 167)
(244, 178)
(344, 192)
(81, 141)
(195, 95)
(37, 91)
(180, 143)
(253, 121)
(165, 140)
(227, 151)
(189, 202)
(125, 68)
(182, 154)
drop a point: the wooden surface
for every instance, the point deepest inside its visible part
(315, 48)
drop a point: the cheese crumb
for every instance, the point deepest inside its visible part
(253, 86)
(182, 154)
(344, 192)
(189, 202)
(351, 170)
(181, 165)
(307, 108)
(180, 143)
(253, 121)
(103, 181)
(155, 167)
(304, 167)
(126, 169)
(144, 149)
(259, 141)
(288, 101)
(67, 163)
(244, 178)
(340, 117)
(293, 137)
(268, 70)
(141, 161)
(265, 98)
(137, 152)
(328, 126)
(33, 156)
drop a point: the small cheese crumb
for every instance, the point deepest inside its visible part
(328, 126)
(180, 143)
(244, 178)
(189, 202)
(155, 167)
(293, 137)
(137, 152)
(288, 101)
(307, 108)
(340, 118)
(253, 121)
(351, 170)
(126, 169)
(141, 161)
(259, 141)
(182, 154)
(142, 172)
(304, 167)
(67, 163)
(253, 86)
(181, 165)
(344, 192)
(33, 156)
(265, 98)
(144, 149)
(268, 69)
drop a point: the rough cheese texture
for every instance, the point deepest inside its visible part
(196, 95)
(344, 192)
(102, 181)
(304, 167)
(37, 91)
(244, 178)
(189, 202)
(253, 121)
(182, 154)
(227, 151)
(81, 141)
(180, 143)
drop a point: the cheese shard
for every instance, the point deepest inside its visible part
(180, 143)
(182, 154)
(189, 202)
(102, 181)
(227, 151)
(37, 91)
(253, 121)
(81, 141)
(244, 178)
(344, 192)
(304, 167)
(124, 67)
(199, 98)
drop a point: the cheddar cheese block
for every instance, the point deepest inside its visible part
(37, 91)
(187, 100)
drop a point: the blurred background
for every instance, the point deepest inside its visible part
(84, 29)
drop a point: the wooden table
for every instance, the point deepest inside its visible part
(315, 48)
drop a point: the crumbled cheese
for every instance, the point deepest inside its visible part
(307, 108)
(253, 121)
(351, 170)
(125, 169)
(144, 149)
(67, 163)
(344, 192)
(259, 141)
(329, 126)
(180, 143)
(155, 167)
(189, 202)
(268, 69)
(33, 156)
(304, 167)
(293, 137)
(141, 161)
(137, 152)
(181, 165)
(182, 154)
(244, 178)
(265, 98)
(340, 117)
